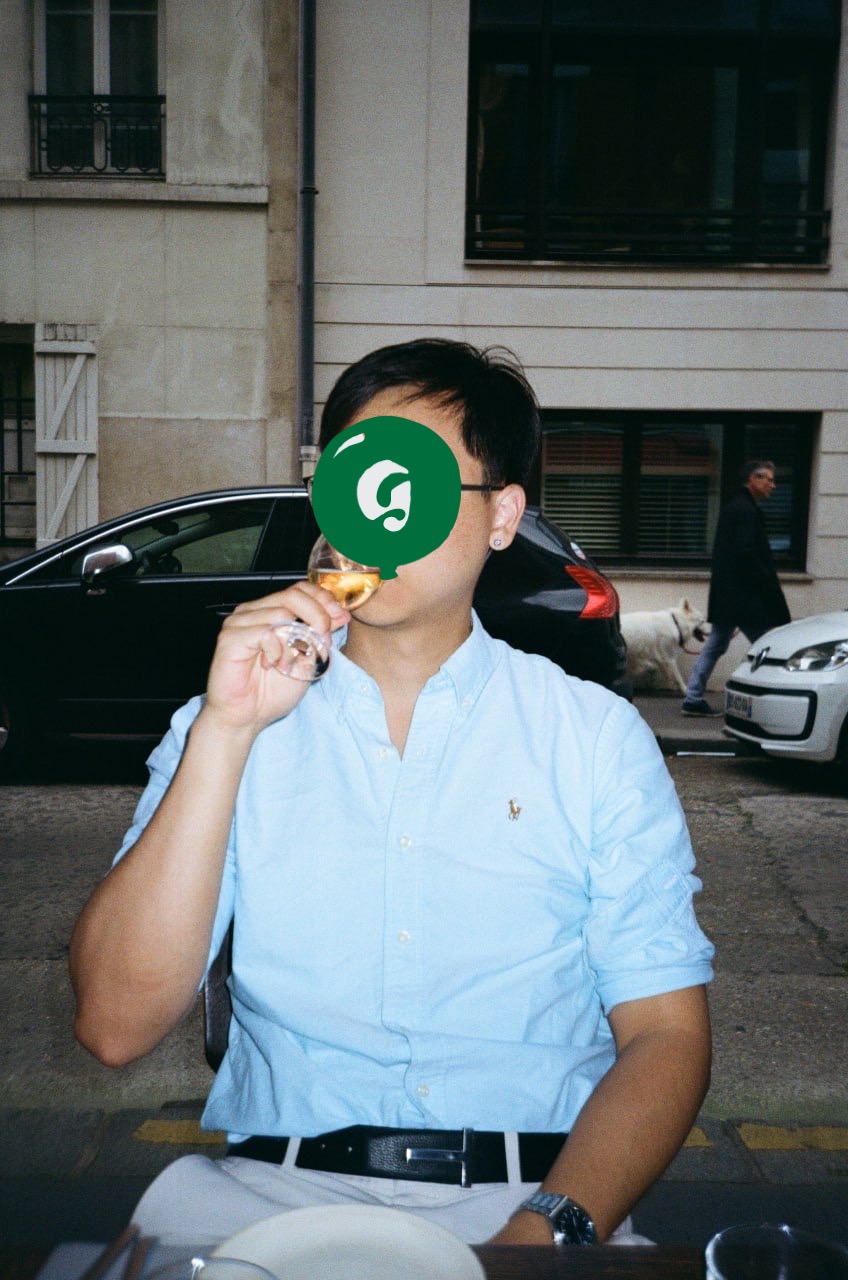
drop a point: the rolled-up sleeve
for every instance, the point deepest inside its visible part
(641, 935)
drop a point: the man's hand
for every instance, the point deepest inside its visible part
(245, 690)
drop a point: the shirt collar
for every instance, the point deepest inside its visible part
(466, 671)
(470, 666)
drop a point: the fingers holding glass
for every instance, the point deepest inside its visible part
(289, 632)
(306, 653)
(295, 625)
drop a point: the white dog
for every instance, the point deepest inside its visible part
(655, 640)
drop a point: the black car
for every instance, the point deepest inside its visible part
(105, 634)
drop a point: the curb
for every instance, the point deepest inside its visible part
(672, 744)
(680, 735)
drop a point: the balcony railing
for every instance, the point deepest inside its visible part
(91, 134)
(703, 236)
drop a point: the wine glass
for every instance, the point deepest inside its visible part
(307, 654)
(213, 1268)
(766, 1251)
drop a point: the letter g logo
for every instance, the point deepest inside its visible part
(401, 494)
(362, 492)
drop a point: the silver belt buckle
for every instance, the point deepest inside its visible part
(447, 1155)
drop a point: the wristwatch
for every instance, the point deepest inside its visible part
(570, 1223)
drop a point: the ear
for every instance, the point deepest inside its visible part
(507, 510)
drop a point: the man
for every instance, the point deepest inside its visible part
(744, 589)
(460, 882)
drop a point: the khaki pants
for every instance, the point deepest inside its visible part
(201, 1202)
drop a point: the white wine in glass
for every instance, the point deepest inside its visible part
(351, 587)
(308, 653)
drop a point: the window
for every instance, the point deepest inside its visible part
(17, 446)
(99, 110)
(672, 130)
(646, 488)
(219, 539)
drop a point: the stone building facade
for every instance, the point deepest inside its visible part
(664, 341)
(147, 254)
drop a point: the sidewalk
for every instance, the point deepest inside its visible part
(678, 733)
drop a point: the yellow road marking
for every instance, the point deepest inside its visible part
(178, 1133)
(768, 1137)
(756, 1137)
(189, 1133)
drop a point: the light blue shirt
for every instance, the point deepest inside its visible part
(432, 940)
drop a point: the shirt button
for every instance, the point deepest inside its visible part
(405, 842)
(404, 936)
(466, 702)
(423, 1091)
(383, 752)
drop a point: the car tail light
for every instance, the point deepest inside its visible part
(603, 597)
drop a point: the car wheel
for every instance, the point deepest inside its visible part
(7, 739)
(20, 739)
(840, 763)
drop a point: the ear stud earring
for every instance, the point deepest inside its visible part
(498, 542)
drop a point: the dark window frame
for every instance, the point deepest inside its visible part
(101, 113)
(17, 448)
(734, 452)
(536, 228)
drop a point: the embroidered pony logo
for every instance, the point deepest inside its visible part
(514, 809)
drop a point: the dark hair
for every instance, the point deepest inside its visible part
(498, 413)
(756, 464)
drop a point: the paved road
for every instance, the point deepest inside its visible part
(773, 858)
(771, 846)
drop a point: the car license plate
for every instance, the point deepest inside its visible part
(738, 704)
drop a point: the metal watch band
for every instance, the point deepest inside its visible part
(570, 1223)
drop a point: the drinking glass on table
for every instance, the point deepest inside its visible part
(774, 1252)
(211, 1269)
(307, 653)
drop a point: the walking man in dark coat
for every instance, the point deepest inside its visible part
(744, 589)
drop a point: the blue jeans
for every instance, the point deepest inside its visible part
(718, 642)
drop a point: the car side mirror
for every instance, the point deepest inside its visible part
(101, 562)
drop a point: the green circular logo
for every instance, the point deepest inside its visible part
(386, 492)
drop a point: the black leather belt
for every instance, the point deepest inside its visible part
(457, 1156)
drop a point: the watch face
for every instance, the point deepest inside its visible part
(574, 1226)
(570, 1223)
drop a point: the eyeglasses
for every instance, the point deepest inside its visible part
(765, 475)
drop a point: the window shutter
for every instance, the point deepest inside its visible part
(66, 430)
(581, 485)
(678, 478)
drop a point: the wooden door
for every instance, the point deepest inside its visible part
(66, 430)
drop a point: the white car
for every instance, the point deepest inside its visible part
(790, 695)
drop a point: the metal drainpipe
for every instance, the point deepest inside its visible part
(307, 192)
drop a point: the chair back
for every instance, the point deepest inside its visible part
(217, 1007)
